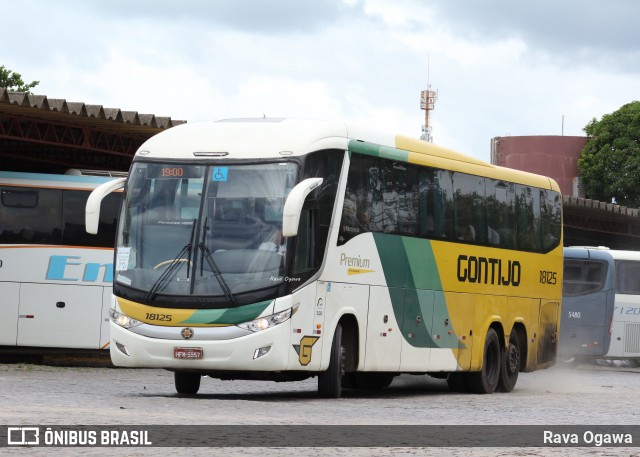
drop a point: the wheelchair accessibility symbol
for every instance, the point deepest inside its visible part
(220, 174)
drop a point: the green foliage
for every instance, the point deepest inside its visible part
(13, 81)
(610, 162)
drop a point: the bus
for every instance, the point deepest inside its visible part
(55, 279)
(588, 297)
(601, 305)
(285, 249)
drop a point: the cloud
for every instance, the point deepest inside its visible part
(252, 16)
(570, 30)
(500, 67)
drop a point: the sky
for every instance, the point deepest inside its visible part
(500, 67)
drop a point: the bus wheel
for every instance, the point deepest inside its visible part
(373, 381)
(486, 380)
(187, 383)
(510, 365)
(330, 381)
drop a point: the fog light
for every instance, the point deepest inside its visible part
(260, 352)
(122, 348)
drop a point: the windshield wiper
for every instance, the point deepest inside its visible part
(170, 271)
(206, 255)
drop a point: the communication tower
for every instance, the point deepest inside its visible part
(427, 103)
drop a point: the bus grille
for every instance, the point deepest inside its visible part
(632, 338)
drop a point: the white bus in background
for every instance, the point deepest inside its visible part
(625, 324)
(55, 279)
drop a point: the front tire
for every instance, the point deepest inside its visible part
(486, 380)
(330, 381)
(187, 383)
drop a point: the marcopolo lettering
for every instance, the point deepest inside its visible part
(486, 270)
(72, 268)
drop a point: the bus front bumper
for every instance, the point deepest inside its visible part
(267, 350)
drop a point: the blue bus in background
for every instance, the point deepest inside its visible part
(588, 300)
(600, 305)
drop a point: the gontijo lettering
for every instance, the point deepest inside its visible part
(72, 268)
(488, 271)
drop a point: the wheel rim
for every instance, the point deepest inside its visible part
(513, 360)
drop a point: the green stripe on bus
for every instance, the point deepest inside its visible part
(229, 316)
(375, 150)
(415, 289)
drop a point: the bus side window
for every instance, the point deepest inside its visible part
(469, 205)
(528, 219)
(303, 260)
(31, 216)
(501, 214)
(363, 209)
(551, 215)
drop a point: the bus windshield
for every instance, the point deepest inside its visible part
(203, 230)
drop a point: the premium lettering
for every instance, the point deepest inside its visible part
(486, 270)
(354, 261)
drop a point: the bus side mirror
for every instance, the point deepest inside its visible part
(92, 210)
(293, 205)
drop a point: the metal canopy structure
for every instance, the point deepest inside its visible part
(594, 223)
(42, 134)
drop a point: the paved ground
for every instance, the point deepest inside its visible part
(36, 394)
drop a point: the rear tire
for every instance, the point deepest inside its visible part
(330, 381)
(486, 380)
(187, 383)
(510, 364)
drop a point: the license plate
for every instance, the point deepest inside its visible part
(187, 353)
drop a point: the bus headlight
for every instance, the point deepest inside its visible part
(123, 320)
(263, 323)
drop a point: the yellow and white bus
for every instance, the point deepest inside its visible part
(55, 279)
(284, 249)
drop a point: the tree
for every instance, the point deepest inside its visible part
(610, 161)
(13, 81)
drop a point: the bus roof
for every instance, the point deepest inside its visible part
(246, 138)
(599, 252)
(588, 252)
(43, 180)
(278, 138)
(625, 255)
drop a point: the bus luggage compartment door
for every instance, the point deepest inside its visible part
(53, 315)
(10, 293)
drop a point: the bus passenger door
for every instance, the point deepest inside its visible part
(10, 293)
(548, 333)
(307, 324)
(384, 338)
